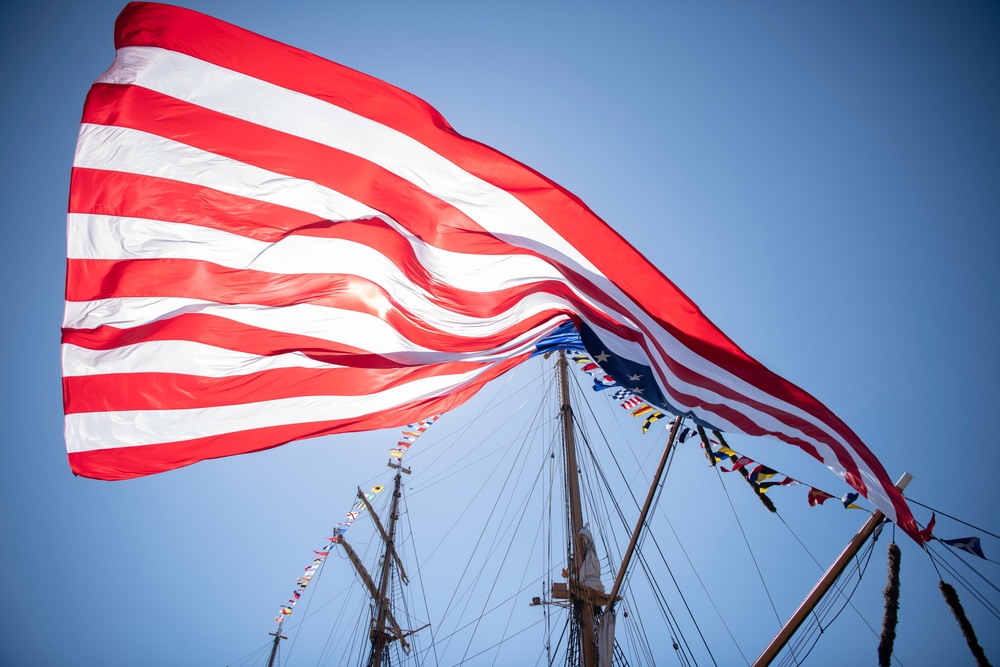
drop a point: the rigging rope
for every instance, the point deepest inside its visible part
(813, 557)
(911, 500)
(461, 431)
(510, 543)
(749, 550)
(411, 541)
(254, 654)
(813, 632)
(658, 594)
(479, 541)
(640, 467)
(317, 576)
(524, 575)
(977, 572)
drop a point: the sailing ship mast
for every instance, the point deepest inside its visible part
(590, 626)
(379, 633)
(583, 606)
(274, 646)
(589, 604)
(384, 627)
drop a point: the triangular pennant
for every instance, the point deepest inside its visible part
(848, 501)
(817, 497)
(971, 544)
(927, 533)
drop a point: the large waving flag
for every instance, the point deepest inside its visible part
(266, 246)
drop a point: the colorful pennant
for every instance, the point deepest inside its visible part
(817, 497)
(650, 419)
(927, 533)
(762, 478)
(848, 501)
(627, 399)
(971, 544)
(410, 433)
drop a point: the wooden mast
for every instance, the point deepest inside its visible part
(581, 603)
(369, 583)
(642, 514)
(381, 531)
(379, 636)
(385, 629)
(274, 647)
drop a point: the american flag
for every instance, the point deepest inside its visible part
(266, 246)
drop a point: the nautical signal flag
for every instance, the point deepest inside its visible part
(233, 285)
(724, 452)
(762, 487)
(741, 462)
(927, 534)
(971, 544)
(640, 411)
(760, 473)
(602, 382)
(631, 402)
(650, 419)
(817, 497)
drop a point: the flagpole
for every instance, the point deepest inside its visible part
(825, 582)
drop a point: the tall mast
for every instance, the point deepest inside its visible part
(385, 628)
(274, 647)
(379, 635)
(578, 598)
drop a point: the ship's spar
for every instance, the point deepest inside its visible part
(591, 619)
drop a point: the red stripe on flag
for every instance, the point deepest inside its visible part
(227, 334)
(130, 462)
(152, 198)
(170, 391)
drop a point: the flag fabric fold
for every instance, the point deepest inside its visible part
(265, 246)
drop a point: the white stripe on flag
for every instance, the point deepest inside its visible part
(177, 356)
(90, 431)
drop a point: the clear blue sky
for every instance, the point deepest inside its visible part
(824, 181)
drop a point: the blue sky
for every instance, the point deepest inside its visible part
(821, 180)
